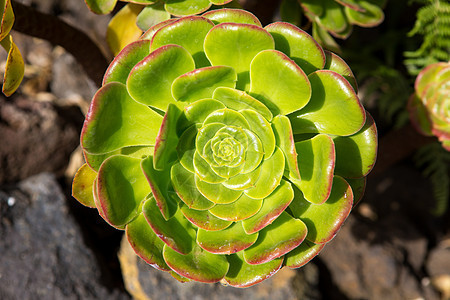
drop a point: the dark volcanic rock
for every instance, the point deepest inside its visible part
(42, 252)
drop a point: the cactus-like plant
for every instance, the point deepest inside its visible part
(226, 150)
(429, 106)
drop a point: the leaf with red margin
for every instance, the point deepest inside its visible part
(82, 186)
(229, 15)
(204, 219)
(338, 65)
(301, 255)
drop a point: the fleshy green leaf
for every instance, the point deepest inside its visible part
(228, 15)
(356, 154)
(338, 65)
(167, 139)
(122, 64)
(371, 16)
(199, 264)
(298, 45)
(201, 83)
(95, 160)
(146, 243)
(324, 220)
(226, 117)
(262, 129)
(333, 18)
(204, 171)
(186, 7)
(151, 15)
(241, 209)
(15, 66)
(148, 35)
(227, 241)
(82, 185)
(236, 45)
(278, 82)
(102, 7)
(150, 81)
(177, 232)
(204, 219)
(103, 133)
(188, 33)
(334, 107)
(277, 239)
(316, 162)
(302, 254)
(7, 19)
(358, 186)
(217, 193)
(272, 207)
(121, 188)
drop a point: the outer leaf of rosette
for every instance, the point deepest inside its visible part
(150, 81)
(124, 62)
(227, 241)
(338, 65)
(115, 121)
(334, 107)
(372, 15)
(301, 255)
(177, 232)
(272, 170)
(189, 33)
(122, 28)
(101, 7)
(146, 243)
(356, 154)
(358, 186)
(151, 15)
(184, 184)
(278, 82)
(324, 220)
(235, 45)
(427, 76)
(316, 162)
(201, 83)
(186, 7)
(353, 4)
(220, 2)
(15, 66)
(148, 35)
(333, 18)
(325, 39)
(298, 46)
(283, 235)
(242, 275)
(121, 188)
(167, 139)
(230, 15)
(198, 265)
(285, 140)
(95, 160)
(7, 18)
(272, 207)
(314, 7)
(82, 185)
(240, 100)
(160, 184)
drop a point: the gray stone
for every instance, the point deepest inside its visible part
(42, 251)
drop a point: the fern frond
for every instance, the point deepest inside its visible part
(435, 164)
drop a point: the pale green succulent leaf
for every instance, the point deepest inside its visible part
(101, 6)
(272, 207)
(187, 33)
(254, 154)
(226, 117)
(236, 45)
(151, 15)
(324, 220)
(15, 66)
(359, 148)
(243, 181)
(201, 83)
(148, 35)
(229, 15)
(334, 107)
(298, 45)
(239, 100)
(184, 184)
(216, 192)
(186, 7)
(205, 220)
(146, 243)
(82, 186)
(205, 171)
(177, 232)
(272, 170)
(95, 160)
(316, 162)
(315, 7)
(186, 148)
(333, 18)
(338, 65)
(199, 264)
(227, 241)
(113, 186)
(278, 82)
(262, 129)
(302, 254)
(241, 209)
(276, 239)
(197, 112)
(160, 68)
(371, 15)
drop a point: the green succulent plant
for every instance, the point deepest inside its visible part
(337, 17)
(226, 150)
(429, 106)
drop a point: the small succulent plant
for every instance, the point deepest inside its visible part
(226, 150)
(337, 17)
(429, 106)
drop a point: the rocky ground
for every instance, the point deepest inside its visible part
(51, 247)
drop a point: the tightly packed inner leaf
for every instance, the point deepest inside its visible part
(221, 147)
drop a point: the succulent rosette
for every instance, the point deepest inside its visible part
(226, 150)
(429, 106)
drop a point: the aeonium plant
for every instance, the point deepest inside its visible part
(226, 150)
(429, 106)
